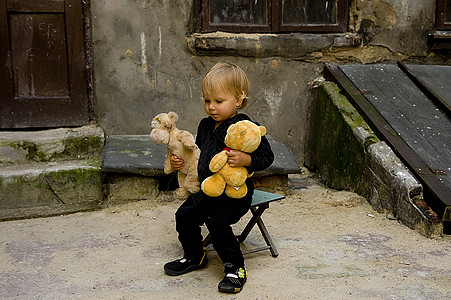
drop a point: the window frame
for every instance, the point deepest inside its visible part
(274, 21)
(440, 22)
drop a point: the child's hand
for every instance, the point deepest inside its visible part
(176, 163)
(238, 159)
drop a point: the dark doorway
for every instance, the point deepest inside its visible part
(42, 67)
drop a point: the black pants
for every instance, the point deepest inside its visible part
(218, 213)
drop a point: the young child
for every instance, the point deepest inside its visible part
(225, 90)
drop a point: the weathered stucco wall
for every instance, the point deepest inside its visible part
(144, 61)
(401, 26)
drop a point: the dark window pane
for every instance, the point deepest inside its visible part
(308, 11)
(238, 11)
(448, 11)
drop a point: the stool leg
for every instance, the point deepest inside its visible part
(256, 214)
(267, 238)
(256, 219)
(207, 240)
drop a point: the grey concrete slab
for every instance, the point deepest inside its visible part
(136, 154)
(133, 154)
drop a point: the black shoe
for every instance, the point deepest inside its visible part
(233, 282)
(182, 266)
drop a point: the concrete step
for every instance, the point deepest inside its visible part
(46, 189)
(23, 147)
(50, 172)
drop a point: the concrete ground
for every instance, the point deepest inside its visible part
(332, 245)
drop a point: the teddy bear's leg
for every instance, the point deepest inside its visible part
(236, 192)
(214, 185)
(192, 183)
(181, 192)
(167, 167)
(234, 176)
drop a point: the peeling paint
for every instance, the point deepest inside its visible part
(159, 44)
(378, 11)
(274, 98)
(364, 55)
(143, 51)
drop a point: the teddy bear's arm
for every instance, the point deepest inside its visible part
(218, 161)
(167, 163)
(187, 139)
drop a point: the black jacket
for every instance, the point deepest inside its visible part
(211, 142)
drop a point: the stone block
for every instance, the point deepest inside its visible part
(267, 45)
(25, 188)
(124, 189)
(133, 154)
(75, 184)
(274, 184)
(398, 191)
(21, 147)
(46, 189)
(393, 174)
(334, 149)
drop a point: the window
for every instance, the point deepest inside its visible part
(443, 15)
(274, 15)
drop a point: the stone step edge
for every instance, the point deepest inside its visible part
(22, 147)
(47, 189)
(48, 210)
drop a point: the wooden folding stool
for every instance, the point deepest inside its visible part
(260, 202)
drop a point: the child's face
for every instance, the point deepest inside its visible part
(222, 105)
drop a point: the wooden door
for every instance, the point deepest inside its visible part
(42, 64)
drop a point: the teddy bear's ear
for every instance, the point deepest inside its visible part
(262, 130)
(243, 130)
(173, 116)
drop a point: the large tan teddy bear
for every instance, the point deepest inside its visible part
(244, 136)
(182, 144)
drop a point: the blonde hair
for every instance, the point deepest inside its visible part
(227, 77)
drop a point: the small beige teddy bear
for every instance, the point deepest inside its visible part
(182, 144)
